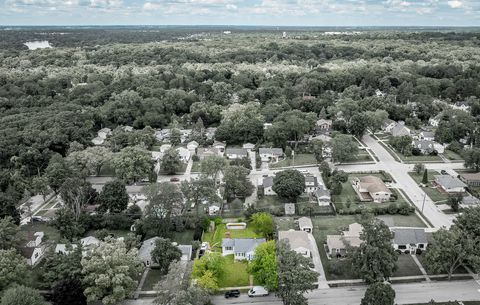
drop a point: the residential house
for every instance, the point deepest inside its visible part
(464, 106)
(165, 147)
(305, 224)
(185, 134)
(427, 135)
(213, 210)
(408, 240)
(267, 125)
(434, 121)
(89, 242)
(205, 152)
(192, 145)
(97, 141)
(34, 249)
(210, 133)
(64, 249)
(241, 248)
(323, 126)
(388, 125)
(220, 146)
(298, 240)
(450, 184)
(470, 179)
(323, 195)
(337, 245)
(104, 133)
(427, 147)
(249, 146)
(236, 153)
(270, 154)
(163, 135)
(183, 154)
(400, 130)
(311, 184)
(371, 188)
(145, 252)
(469, 202)
(267, 183)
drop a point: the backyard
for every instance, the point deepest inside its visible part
(300, 159)
(215, 238)
(432, 192)
(235, 273)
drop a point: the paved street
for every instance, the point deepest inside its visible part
(405, 294)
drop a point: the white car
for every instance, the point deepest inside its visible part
(258, 291)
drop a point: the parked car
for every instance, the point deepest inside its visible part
(174, 179)
(443, 172)
(203, 249)
(257, 291)
(232, 294)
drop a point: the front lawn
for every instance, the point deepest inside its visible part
(300, 159)
(235, 273)
(406, 266)
(451, 155)
(152, 279)
(195, 167)
(215, 238)
(411, 159)
(432, 192)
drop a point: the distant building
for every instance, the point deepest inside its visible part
(145, 252)
(192, 145)
(469, 202)
(388, 125)
(428, 147)
(267, 183)
(450, 184)
(220, 146)
(270, 154)
(34, 249)
(311, 184)
(337, 245)
(323, 195)
(305, 224)
(371, 188)
(471, 179)
(400, 130)
(203, 152)
(323, 126)
(249, 146)
(236, 153)
(298, 240)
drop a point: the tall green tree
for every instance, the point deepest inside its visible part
(344, 148)
(295, 276)
(67, 224)
(110, 272)
(114, 197)
(289, 184)
(22, 295)
(379, 294)
(91, 160)
(132, 164)
(57, 172)
(14, 268)
(76, 193)
(200, 191)
(472, 158)
(375, 259)
(68, 291)
(213, 166)
(171, 162)
(263, 224)
(425, 176)
(237, 183)
(264, 265)
(8, 233)
(165, 253)
(317, 148)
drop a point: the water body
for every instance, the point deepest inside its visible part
(33, 45)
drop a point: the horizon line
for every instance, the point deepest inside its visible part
(242, 25)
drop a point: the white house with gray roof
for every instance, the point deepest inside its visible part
(236, 153)
(267, 183)
(409, 239)
(145, 251)
(241, 248)
(450, 184)
(298, 240)
(311, 184)
(323, 195)
(270, 154)
(427, 146)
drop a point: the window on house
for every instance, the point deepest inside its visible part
(402, 247)
(228, 248)
(421, 246)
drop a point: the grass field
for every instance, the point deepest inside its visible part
(183, 238)
(300, 159)
(215, 238)
(235, 273)
(452, 155)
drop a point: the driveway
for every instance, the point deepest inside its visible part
(322, 280)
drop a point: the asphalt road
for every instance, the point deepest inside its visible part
(405, 294)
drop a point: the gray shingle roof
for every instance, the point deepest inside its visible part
(409, 236)
(449, 182)
(273, 151)
(267, 182)
(243, 245)
(237, 151)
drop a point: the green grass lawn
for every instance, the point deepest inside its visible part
(152, 279)
(300, 159)
(235, 273)
(51, 233)
(183, 238)
(195, 167)
(451, 155)
(406, 266)
(182, 169)
(412, 159)
(431, 192)
(451, 303)
(215, 238)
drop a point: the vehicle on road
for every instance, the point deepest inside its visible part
(174, 179)
(443, 172)
(232, 294)
(258, 291)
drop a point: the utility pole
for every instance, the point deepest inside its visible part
(423, 204)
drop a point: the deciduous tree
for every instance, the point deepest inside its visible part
(22, 295)
(114, 197)
(171, 161)
(164, 253)
(8, 233)
(132, 164)
(344, 148)
(264, 265)
(14, 268)
(289, 184)
(379, 294)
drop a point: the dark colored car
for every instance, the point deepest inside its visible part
(443, 172)
(232, 294)
(174, 179)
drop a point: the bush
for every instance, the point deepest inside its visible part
(392, 209)
(405, 209)
(195, 158)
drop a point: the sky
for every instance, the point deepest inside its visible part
(242, 12)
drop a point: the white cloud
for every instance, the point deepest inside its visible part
(455, 3)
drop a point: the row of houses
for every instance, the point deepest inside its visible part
(405, 240)
(313, 185)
